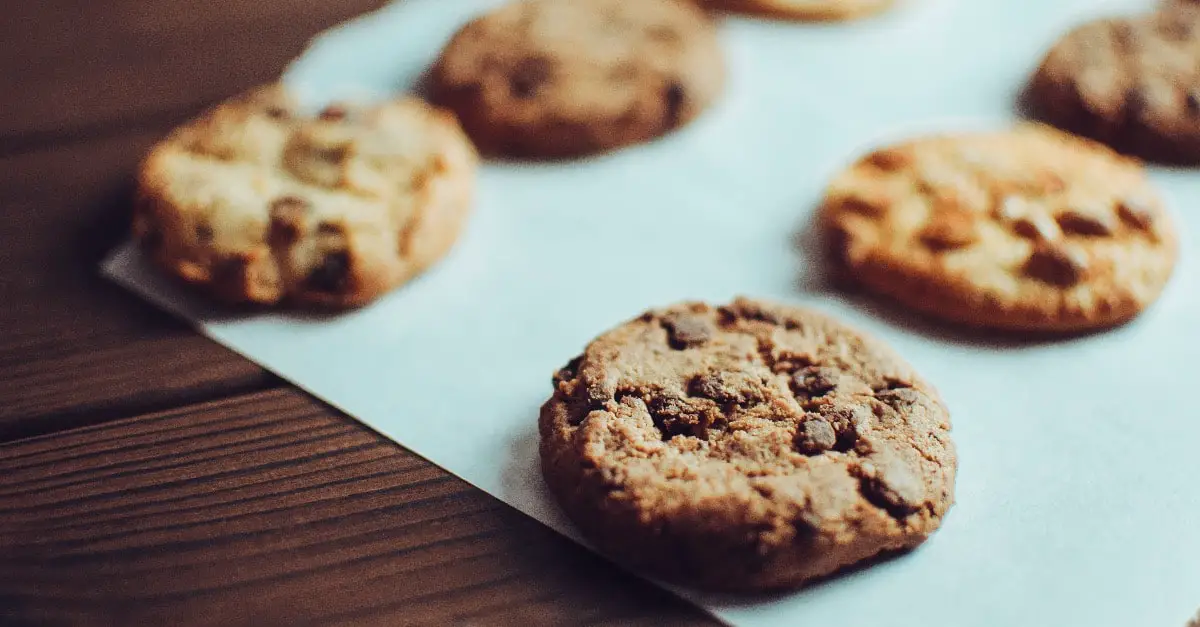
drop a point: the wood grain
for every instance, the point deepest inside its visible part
(269, 508)
(80, 68)
(76, 349)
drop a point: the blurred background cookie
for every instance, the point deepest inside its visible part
(1026, 229)
(547, 78)
(257, 203)
(1131, 82)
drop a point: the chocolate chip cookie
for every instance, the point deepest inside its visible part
(812, 10)
(1132, 83)
(258, 203)
(1026, 229)
(751, 446)
(546, 78)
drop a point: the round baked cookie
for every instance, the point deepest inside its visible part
(258, 203)
(809, 10)
(1027, 229)
(1132, 83)
(751, 446)
(547, 78)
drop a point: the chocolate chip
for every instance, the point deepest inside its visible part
(889, 159)
(1056, 265)
(892, 487)
(728, 388)
(1036, 227)
(334, 112)
(1136, 213)
(567, 372)
(1085, 223)
(687, 330)
(277, 112)
(332, 154)
(529, 75)
(1192, 101)
(815, 381)
(204, 233)
(814, 437)
(676, 416)
(870, 207)
(330, 228)
(848, 420)
(332, 275)
(948, 230)
(901, 397)
(673, 100)
(288, 217)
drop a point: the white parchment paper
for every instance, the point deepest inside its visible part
(1078, 499)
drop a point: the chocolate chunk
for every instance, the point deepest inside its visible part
(204, 233)
(901, 397)
(277, 112)
(330, 228)
(529, 75)
(1136, 213)
(567, 372)
(889, 159)
(677, 416)
(687, 330)
(873, 207)
(815, 436)
(1036, 227)
(1085, 223)
(288, 217)
(728, 388)
(1192, 101)
(673, 100)
(333, 113)
(815, 381)
(848, 420)
(1054, 264)
(890, 485)
(948, 230)
(332, 274)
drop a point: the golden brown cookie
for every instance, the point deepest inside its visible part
(1026, 229)
(751, 446)
(546, 78)
(1132, 83)
(258, 203)
(809, 10)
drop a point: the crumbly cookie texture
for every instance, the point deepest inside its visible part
(1132, 83)
(546, 78)
(257, 203)
(1027, 229)
(809, 10)
(751, 446)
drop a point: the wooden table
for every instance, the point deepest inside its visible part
(150, 476)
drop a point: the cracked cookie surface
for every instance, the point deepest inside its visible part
(546, 78)
(1133, 83)
(258, 203)
(751, 446)
(1026, 229)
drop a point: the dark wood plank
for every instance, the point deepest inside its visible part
(75, 348)
(270, 508)
(78, 68)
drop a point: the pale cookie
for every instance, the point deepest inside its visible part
(1028, 229)
(810, 10)
(257, 203)
(1132, 83)
(547, 78)
(752, 446)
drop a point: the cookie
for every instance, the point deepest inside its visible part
(751, 446)
(258, 203)
(1132, 83)
(811, 10)
(552, 79)
(1027, 229)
